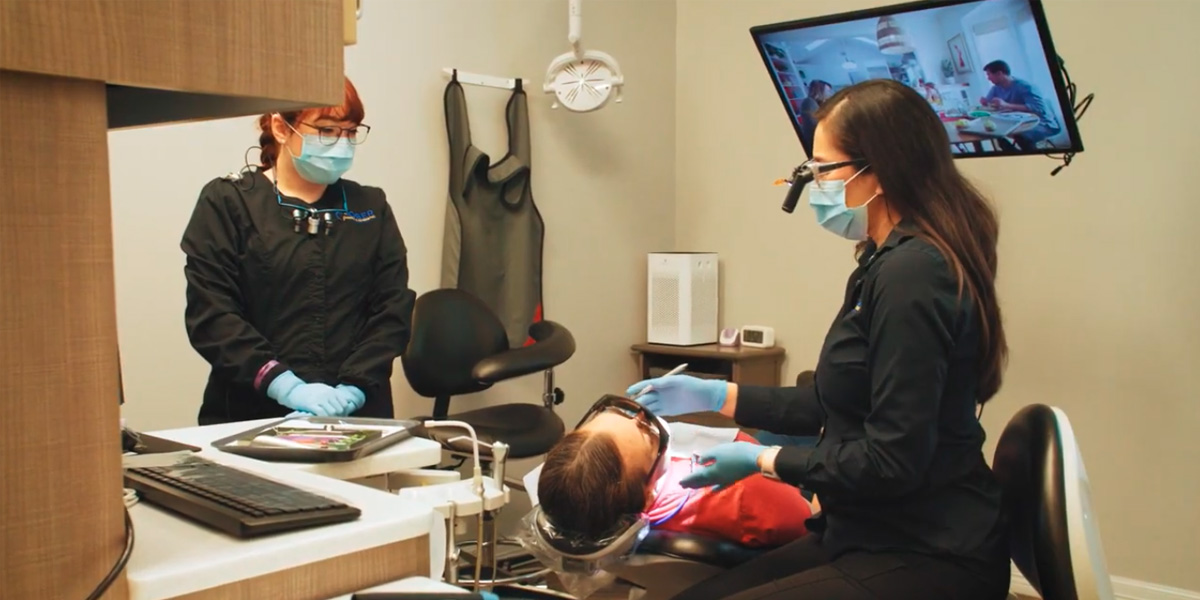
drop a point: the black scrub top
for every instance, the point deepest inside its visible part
(263, 299)
(899, 465)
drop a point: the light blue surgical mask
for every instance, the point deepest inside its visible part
(320, 163)
(828, 201)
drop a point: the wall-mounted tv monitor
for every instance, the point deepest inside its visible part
(987, 68)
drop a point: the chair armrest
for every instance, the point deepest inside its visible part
(552, 346)
(689, 546)
(804, 378)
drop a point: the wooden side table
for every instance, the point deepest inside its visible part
(749, 366)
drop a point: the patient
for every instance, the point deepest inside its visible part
(606, 467)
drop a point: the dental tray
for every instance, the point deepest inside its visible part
(317, 439)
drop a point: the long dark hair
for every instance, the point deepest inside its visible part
(906, 146)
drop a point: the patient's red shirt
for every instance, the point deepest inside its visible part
(754, 512)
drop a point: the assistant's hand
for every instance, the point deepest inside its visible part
(316, 398)
(283, 385)
(680, 395)
(724, 464)
(354, 398)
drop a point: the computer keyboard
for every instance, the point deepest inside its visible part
(234, 501)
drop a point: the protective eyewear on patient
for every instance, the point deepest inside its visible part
(631, 410)
(644, 419)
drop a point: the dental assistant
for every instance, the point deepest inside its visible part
(909, 507)
(297, 279)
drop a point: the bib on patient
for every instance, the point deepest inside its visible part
(755, 512)
(671, 496)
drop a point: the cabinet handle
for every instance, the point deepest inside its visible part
(358, 10)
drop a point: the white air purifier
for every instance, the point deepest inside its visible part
(682, 298)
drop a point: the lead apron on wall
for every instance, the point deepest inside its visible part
(494, 232)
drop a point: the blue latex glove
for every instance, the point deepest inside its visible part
(725, 464)
(680, 395)
(314, 398)
(283, 385)
(489, 596)
(354, 398)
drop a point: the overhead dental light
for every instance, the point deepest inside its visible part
(582, 81)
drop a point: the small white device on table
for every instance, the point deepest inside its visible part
(728, 337)
(758, 336)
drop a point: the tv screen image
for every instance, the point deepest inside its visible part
(987, 68)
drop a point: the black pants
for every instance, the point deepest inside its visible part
(803, 569)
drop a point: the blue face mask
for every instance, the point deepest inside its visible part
(828, 201)
(323, 164)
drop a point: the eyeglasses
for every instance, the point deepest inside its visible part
(330, 134)
(816, 172)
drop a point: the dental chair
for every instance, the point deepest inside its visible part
(1054, 536)
(458, 346)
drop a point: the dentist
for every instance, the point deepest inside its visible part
(909, 507)
(297, 279)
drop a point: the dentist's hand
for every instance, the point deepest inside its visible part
(725, 464)
(680, 395)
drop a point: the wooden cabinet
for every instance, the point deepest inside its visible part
(748, 366)
(69, 72)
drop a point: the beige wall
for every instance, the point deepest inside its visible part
(602, 180)
(1098, 276)
(1099, 270)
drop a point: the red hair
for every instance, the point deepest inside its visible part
(351, 110)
